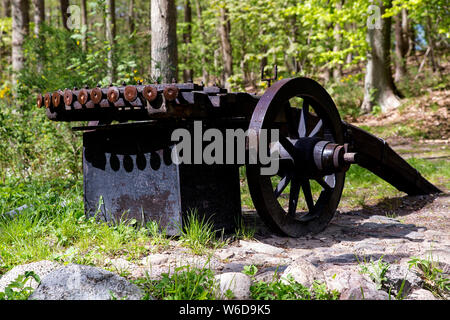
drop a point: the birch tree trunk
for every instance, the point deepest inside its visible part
(20, 29)
(84, 25)
(39, 15)
(379, 88)
(164, 40)
(110, 36)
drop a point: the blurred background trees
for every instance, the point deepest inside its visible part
(368, 54)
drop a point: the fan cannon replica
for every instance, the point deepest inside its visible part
(128, 169)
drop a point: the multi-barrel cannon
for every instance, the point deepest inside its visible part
(291, 141)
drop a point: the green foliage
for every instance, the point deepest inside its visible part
(185, 283)
(291, 290)
(18, 289)
(435, 280)
(198, 234)
(286, 289)
(376, 270)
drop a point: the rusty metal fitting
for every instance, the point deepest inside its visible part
(47, 100)
(83, 96)
(56, 99)
(113, 94)
(150, 93)
(170, 93)
(39, 100)
(130, 93)
(68, 97)
(96, 95)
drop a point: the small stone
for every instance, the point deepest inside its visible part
(304, 272)
(260, 247)
(224, 254)
(237, 282)
(121, 264)
(420, 294)
(397, 274)
(353, 285)
(41, 268)
(154, 259)
(78, 282)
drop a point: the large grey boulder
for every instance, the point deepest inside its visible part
(41, 268)
(78, 282)
(237, 282)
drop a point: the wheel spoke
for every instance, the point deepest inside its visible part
(303, 119)
(322, 182)
(282, 185)
(288, 146)
(316, 129)
(293, 196)
(306, 187)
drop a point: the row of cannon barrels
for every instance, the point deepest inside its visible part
(133, 94)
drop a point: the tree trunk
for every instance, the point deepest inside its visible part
(379, 88)
(225, 43)
(84, 25)
(205, 75)
(39, 15)
(188, 72)
(20, 29)
(39, 18)
(401, 44)
(110, 36)
(64, 5)
(431, 45)
(130, 16)
(6, 8)
(337, 70)
(164, 40)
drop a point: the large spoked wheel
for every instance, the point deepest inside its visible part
(312, 158)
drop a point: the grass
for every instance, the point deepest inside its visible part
(198, 234)
(435, 280)
(287, 288)
(185, 283)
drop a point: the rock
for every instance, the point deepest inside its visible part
(395, 276)
(260, 259)
(352, 285)
(269, 274)
(41, 268)
(154, 259)
(78, 282)
(121, 265)
(260, 247)
(224, 254)
(17, 211)
(420, 294)
(440, 257)
(303, 272)
(237, 282)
